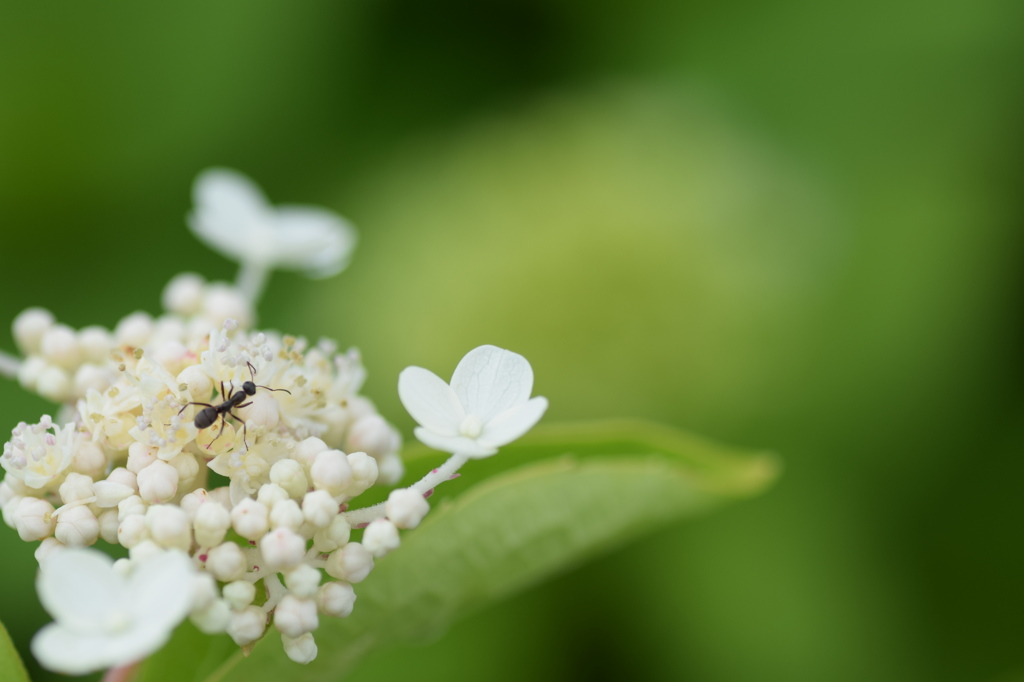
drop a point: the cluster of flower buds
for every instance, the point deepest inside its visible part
(192, 435)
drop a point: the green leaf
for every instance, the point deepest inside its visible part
(540, 507)
(11, 667)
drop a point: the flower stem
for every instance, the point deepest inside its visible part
(252, 277)
(9, 365)
(360, 517)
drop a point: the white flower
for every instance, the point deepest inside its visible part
(232, 216)
(38, 454)
(103, 619)
(487, 405)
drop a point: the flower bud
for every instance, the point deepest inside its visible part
(295, 617)
(144, 551)
(390, 469)
(211, 524)
(140, 456)
(199, 383)
(204, 591)
(336, 599)
(286, 514)
(264, 411)
(168, 526)
(270, 494)
(406, 507)
(226, 562)
(34, 518)
(30, 371)
(130, 506)
(124, 477)
(307, 450)
(380, 537)
(54, 384)
(319, 508)
(364, 473)
(76, 488)
(90, 460)
(123, 567)
(249, 519)
(372, 435)
(77, 526)
(92, 377)
(134, 330)
(352, 563)
(109, 526)
(132, 530)
(190, 503)
(158, 482)
(247, 625)
(331, 472)
(214, 619)
(186, 466)
(282, 549)
(303, 581)
(29, 327)
(183, 294)
(7, 493)
(239, 594)
(95, 343)
(46, 549)
(109, 494)
(333, 536)
(300, 649)
(291, 476)
(59, 346)
(221, 302)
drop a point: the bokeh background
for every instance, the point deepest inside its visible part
(790, 224)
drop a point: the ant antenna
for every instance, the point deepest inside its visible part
(252, 372)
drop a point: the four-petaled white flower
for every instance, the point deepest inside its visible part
(233, 217)
(103, 619)
(487, 405)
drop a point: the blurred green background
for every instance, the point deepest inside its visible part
(793, 225)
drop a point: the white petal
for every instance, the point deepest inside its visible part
(430, 401)
(73, 652)
(313, 239)
(108, 493)
(512, 424)
(160, 589)
(231, 215)
(78, 587)
(454, 444)
(490, 380)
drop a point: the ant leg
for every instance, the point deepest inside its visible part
(187, 404)
(245, 429)
(223, 396)
(242, 405)
(223, 423)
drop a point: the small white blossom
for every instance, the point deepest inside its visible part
(303, 581)
(158, 482)
(29, 327)
(487, 405)
(38, 455)
(330, 471)
(34, 518)
(168, 526)
(333, 536)
(319, 508)
(286, 514)
(213, 619)
(232, 216)
(103, 619)
(211, 524)
(76, 526)
(290, 475)
(250, 519)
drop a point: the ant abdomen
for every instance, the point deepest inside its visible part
(206, 417)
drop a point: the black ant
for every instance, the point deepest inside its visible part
(210, 413)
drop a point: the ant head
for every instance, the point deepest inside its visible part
(249, 388)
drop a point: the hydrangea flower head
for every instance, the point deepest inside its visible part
(158, 411)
